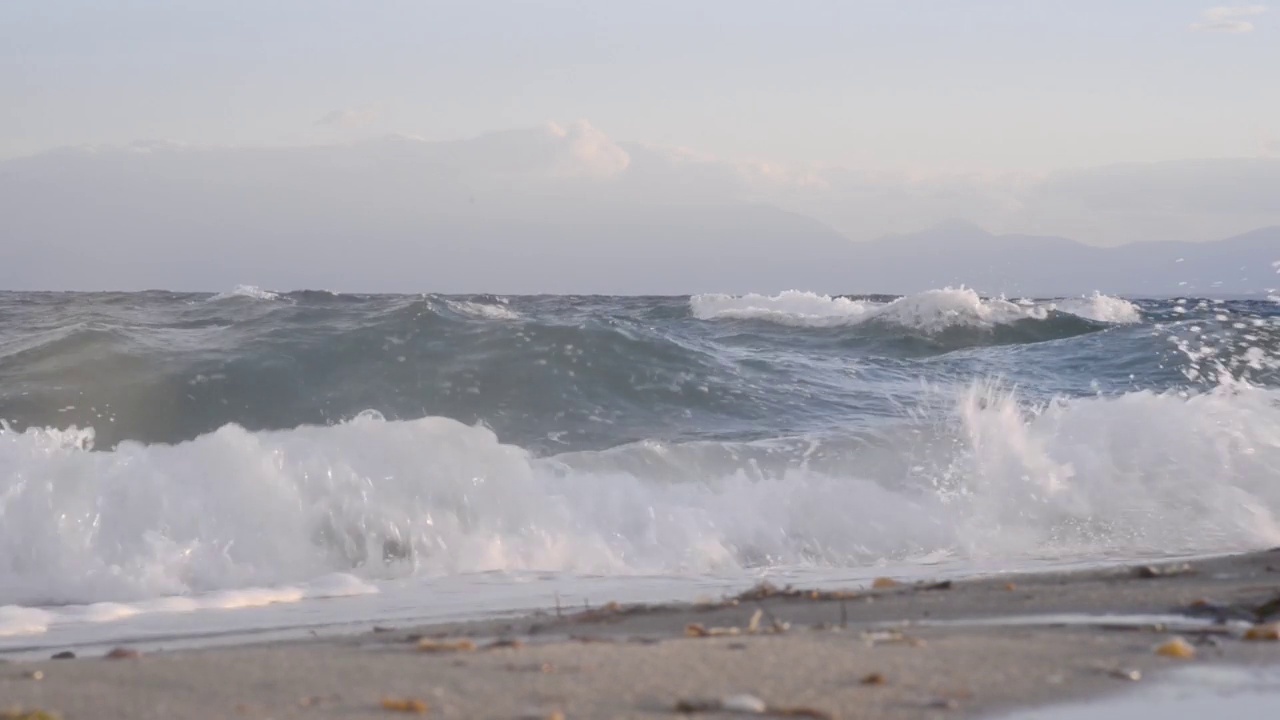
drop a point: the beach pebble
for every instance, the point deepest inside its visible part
(440, 646)
(698, 630)
(874, 678)
(1156, 571)
(1269, 631)
(1176, 648)
(505, 643)
(747, 705)
(34, 675)
(404, 705)
(122, 653)
(1129, 674)
(743, 703)
(64, 655)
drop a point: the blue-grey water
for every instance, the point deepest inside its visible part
(167, 452)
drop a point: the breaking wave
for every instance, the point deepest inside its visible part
(159, 445)
(929, 312)
(251, 292)
(497, 310)
(986, 476)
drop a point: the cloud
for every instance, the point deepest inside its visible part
(569, 153)
(586, 152)
(578, 162)
(784, 177)
(349, 119)
(1227, 19)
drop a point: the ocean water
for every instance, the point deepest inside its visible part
(180, 468)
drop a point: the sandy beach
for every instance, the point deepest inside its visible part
(973, 648)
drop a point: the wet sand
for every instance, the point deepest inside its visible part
(974, 648)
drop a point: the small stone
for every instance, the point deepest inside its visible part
(1176, 648)
(34, 675)
(698, 630)
(512, 644)
(1154, 571)
(1269, 631)
(1130, 674)
(874, 678)
(404, 705)
(64, 655)
(743, 704)
(123, 653)
(443, 646)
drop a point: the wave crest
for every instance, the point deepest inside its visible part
(252, 292)
(983, 475)
(930, 312)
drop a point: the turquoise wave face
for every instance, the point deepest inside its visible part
(157, 444)
(564, 373)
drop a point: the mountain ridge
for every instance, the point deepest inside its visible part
(546, 210)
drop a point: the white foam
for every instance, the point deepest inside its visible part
(1228, 351)
(1102, 308)
(17, 620)
(804, 309)
(932, 311)
(246, 291)
(237, 518)
(484, 311)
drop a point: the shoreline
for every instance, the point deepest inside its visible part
(935, 649)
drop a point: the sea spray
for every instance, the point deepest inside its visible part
(1138, 473)
(161, 446)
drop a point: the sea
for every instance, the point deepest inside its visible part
(189, 469)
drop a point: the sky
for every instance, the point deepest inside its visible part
(916, 87)
(567, 146)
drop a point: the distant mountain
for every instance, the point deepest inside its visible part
(513, 213)
(959, 253)
(545, 210)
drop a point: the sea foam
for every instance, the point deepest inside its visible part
(251, 292)
(483, 310)
(982, 474)
(932, 311)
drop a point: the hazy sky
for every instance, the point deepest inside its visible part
(922, 86)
